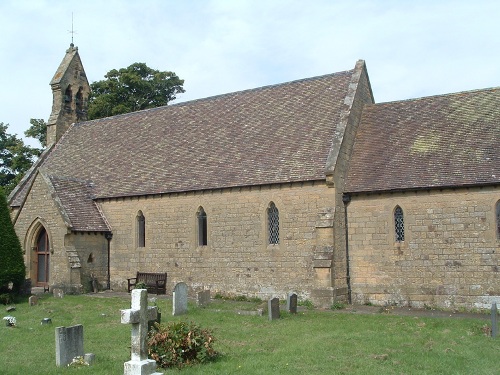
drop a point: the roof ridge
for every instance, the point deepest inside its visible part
(475, 91)
(221, 96)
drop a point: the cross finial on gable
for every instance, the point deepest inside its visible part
(72, 32)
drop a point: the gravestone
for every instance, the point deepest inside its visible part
(273, 306)
(203, 298)
(291, 303)
(494, 320)
(33, 300)
(138, 315)
(180, 299)
(58, 292)
(69, 344)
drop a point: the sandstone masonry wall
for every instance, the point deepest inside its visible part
(449, 259)
(237, 259)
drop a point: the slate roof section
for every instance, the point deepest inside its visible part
(440, 141)
(75, 198)
(273, 134)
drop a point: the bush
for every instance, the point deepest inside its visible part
(180, 344)
(12, 268)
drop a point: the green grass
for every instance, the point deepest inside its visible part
(311, 342)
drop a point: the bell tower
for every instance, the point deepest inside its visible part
(70, 92)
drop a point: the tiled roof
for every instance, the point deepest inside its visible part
(441, 141)
(76, 202)
(273, 134)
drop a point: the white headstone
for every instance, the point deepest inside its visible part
(180, 299)
(138, 315)
(69, 344)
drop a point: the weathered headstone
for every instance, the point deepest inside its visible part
(138, 315)
(69, 344)
(58, 292)
(203, 298)
(494, 320)
(291, 303)
(180, 299)
(273, 306)
(33, 300)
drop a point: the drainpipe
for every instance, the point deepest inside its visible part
(109, 236)
(346, 198)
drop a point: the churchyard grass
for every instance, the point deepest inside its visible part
(311, 342)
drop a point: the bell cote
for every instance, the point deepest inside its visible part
(70, 93)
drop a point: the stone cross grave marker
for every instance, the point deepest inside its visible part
(138, 315)
(291, 303)
(69, 344)
(180, 299)
(273, 306)
(203, 298)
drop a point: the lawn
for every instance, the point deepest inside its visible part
(311, 342)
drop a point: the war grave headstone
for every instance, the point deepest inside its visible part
(138, 316)
(180, 299)
(273, 306)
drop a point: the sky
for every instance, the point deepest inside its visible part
(411, 48)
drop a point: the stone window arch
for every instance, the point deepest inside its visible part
(141, 229)
(67, 98)
(399, 224)
(202, 226)
(273, 224)
(79, 101)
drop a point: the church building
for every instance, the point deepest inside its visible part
(305, 186)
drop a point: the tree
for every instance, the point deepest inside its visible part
(132, 89)
(38, 130)
(12, 268)
(15, 159)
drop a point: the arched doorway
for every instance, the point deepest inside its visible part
(42, 253)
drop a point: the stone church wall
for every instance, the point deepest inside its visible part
(70, 264)
(450, 257)
(238, 259)
(40, 209)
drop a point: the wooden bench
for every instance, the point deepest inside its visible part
(155, 282)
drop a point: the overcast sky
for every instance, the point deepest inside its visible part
(411, 48)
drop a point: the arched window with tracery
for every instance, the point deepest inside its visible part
(141, 230)
(273, 224)
(399, 224)
(202, 225)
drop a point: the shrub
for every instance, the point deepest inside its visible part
(12, 268)
(180, 344)
(141, 285)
